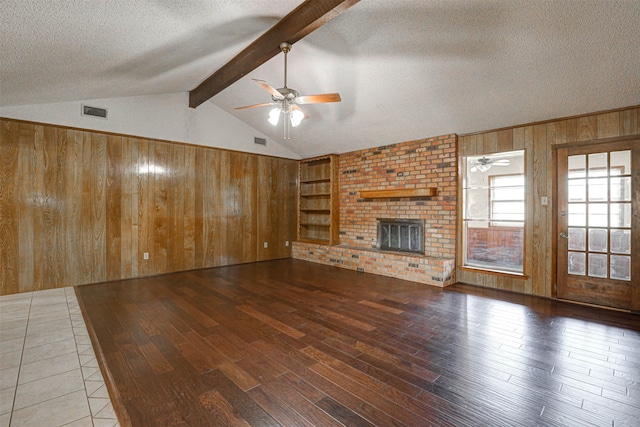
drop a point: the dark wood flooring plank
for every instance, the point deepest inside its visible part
(155, 359)
(342, 414)
(222, 412)
(239, 376)
(279, 410)
(305, 408)
(276, 324)
(242, 403)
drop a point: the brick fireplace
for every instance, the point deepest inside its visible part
(409, 165)
(400, 235)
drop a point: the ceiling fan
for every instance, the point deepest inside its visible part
(484, 163)
(286, 100)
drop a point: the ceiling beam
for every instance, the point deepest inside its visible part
(309, 16)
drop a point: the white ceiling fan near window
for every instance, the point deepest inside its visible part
(485, 163)
(285, 100)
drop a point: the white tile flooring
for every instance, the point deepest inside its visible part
(49, 375)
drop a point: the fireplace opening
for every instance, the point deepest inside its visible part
(404, 235)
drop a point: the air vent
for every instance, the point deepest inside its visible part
(90, 111)
(260, 141)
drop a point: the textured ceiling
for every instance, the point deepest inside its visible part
(406, 69)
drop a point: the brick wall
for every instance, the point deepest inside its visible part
(428, 162)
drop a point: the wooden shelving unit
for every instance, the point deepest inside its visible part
(318, 207)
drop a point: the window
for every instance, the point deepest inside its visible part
(507, 200)
(494, 212)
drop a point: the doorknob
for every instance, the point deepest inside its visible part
(564, 235)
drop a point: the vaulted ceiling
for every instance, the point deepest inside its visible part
(406, 69)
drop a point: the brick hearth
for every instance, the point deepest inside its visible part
(422, 269)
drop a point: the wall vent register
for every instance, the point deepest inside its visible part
(89, 111)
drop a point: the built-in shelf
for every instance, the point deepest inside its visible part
(316, 195)
(399, 193)
(318, 200)
(308, 181)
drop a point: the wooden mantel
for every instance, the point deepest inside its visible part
(399, 193)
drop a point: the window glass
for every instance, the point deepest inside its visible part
(494, 211)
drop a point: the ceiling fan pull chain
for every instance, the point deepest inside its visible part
(287, 125)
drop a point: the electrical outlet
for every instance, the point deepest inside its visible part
(286, 243)
(145, 255)
(266, 244)
(544, 201)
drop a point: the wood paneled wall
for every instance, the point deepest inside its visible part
(538, 140)
(81, 207)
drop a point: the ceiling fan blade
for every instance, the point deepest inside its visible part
(318, 99)
(295, 107)
(257, 105)
(266, 86)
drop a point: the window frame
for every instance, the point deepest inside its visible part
(499, 263)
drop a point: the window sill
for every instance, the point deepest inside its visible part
(495, 272)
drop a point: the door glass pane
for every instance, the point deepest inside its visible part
(621, 241)
(598, 215)
(620, 267)
(620, 215)
(598, 189)
(577, 238)
(598, 164)
(597, 265)
(577, 190)
(577, 263)
(621, 163)
(577, 166)
(598, 239)
(577, 214)
(620, 189)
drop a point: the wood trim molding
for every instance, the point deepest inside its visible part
(544, 122)
(399, 193)
(116, 398)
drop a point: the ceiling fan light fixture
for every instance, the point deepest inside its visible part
(484, 167)
(286, 100)
(274, 116)
(296, 117)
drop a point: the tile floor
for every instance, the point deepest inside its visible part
(49, 374)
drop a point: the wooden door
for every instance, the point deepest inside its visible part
(598, 247)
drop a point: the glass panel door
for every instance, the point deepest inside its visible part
(595, 224)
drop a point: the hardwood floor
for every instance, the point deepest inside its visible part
(294, 343)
